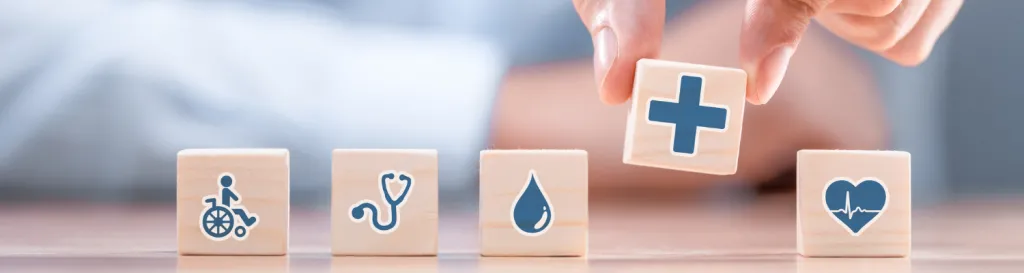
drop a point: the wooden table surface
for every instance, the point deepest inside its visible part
(972, 235)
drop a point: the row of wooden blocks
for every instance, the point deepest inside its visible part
(684, 117)
(532, 202)
(383, 202)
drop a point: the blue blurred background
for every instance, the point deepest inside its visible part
(97, 96)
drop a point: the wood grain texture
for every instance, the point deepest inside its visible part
(563, 176)
(236, 264)
(356, 177)
(261, 180)
(649, 144)
(373, 264)
(852, 265)
(819, 235)
(632, 235)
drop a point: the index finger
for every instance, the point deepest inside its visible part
(623, 32)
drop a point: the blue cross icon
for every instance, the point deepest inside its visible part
(687, 115)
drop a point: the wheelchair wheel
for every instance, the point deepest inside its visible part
(218, 222)
(240, 231)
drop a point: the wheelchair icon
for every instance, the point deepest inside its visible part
(226, 216)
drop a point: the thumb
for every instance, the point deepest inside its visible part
(771, 32)
(624, 31)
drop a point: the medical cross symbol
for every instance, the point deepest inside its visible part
(687, 115)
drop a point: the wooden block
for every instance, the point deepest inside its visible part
(853, 203)
(366, 220)
(233, 202)
(686, 117)
(533, 202)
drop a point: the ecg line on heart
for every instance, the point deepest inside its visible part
(849, 213)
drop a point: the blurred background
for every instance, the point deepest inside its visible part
(97, 96)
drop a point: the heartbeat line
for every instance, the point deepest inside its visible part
(849, 213)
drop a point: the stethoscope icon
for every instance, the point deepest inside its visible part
(358, 211)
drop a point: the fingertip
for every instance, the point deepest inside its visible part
(909, 59)
(764, 90)
(612, 99)
(770, 34)
(615, 90)
(752, 96)
(770, 73)
(623, 32)
(917, 46)
(756, 98)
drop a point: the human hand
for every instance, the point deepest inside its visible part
(625, 31)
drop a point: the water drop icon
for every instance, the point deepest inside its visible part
(532, 215)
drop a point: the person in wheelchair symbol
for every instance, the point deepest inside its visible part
(228, 217)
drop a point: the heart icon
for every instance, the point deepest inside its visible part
(855, 205)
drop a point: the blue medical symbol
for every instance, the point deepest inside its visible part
(687, 114)
(531, 213)
(855, 206)
(358, 211)
(227, 217)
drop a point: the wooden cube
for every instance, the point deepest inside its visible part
(686, 117)
(533, 202)
(384, 202)
(853, 203)
(233, 202)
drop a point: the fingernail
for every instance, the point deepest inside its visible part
(770, 73)
(606, 49)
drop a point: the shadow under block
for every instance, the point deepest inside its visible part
(363, 216)
(533, 203)
(686, 117)
(255, 185)
(853, 203)
(351, 264)
(230, 264)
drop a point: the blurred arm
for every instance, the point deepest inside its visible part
(97, 100)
